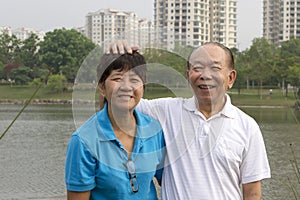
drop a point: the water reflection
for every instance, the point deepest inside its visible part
(33, 151)
(280, 128)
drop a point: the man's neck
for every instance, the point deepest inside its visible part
(208, 109)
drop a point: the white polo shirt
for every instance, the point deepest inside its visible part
(207, 158)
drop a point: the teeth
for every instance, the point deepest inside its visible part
(125, 96)
(205, 86)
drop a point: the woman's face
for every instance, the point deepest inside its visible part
(122, 89)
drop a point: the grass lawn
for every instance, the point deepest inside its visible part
(246, 97)
(24, 92)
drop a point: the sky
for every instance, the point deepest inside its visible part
(46, 15)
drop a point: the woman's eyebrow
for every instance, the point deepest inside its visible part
(117, 74)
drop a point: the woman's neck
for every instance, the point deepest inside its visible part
(122, 121)
(124, 125)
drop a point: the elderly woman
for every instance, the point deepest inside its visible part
(118, 151)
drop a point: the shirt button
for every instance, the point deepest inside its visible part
(206, 129)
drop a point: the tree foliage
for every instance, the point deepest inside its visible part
(166, 58)
(56, 83)
(9, 48)
(290, 58)
(21, 75)
(64, 50)
(29, 51)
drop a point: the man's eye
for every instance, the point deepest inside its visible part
(216, 68)
(197, 68)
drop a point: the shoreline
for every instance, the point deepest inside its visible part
(90, 102)
(45, 101)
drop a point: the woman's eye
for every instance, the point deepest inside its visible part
(117, 79)
(135, 80)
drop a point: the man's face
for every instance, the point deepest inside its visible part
(209, 74)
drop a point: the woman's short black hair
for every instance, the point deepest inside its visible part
(109, 62)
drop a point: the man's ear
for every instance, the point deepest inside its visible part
(187, 74)
(231, 78)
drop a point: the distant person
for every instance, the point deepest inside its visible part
(214, 150)
(118, 151)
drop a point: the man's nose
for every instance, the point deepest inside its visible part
(205, 73)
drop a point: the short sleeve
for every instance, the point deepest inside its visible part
(79, 167)
(162, 152)
(156, 108)
(255, 165)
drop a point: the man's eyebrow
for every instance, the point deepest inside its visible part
(217, 62)
(199, 63)
(195, 63)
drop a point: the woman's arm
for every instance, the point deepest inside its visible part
(78, 195)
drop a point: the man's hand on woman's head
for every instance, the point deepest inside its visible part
(120, 47)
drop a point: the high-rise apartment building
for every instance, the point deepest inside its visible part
(22, 33)
(106, 25)
(194, 22)
(5, 29)
(281, 20)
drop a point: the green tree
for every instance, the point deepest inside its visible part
(239, 67)
(63, 47)
(36, 82)
(2, 75)
(261, 59)
(87, 72)
(294, 77)
(56, 83)
(166, 58)
(29, 51)
(290, 59)
(182, 50)
(243, 67)
(21, 75)
(9, 49)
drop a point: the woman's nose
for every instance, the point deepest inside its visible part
(126, 84)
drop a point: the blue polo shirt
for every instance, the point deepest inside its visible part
(96, 159)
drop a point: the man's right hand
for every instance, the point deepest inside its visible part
(120, 47)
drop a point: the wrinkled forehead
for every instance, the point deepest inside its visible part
(208, 54)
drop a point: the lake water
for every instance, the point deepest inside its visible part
(32, 153)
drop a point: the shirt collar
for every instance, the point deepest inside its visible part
(227, 111)
(106, 132)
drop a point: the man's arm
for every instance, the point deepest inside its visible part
(252, 191)
(78, 195)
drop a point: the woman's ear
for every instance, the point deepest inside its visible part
(101, 88)
(102, 99)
